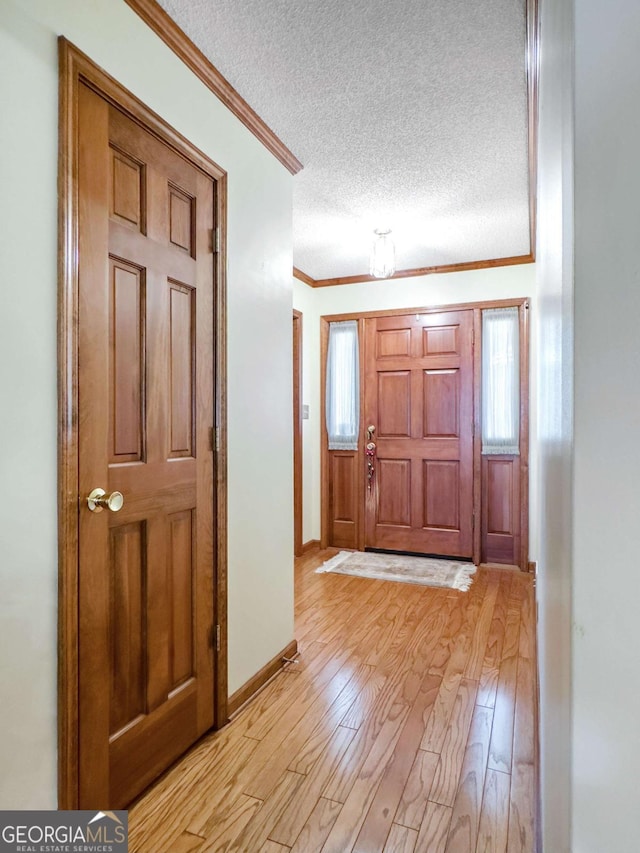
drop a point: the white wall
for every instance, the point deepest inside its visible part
(259, 324)
(606, 642)
(555, 397)
(304, 299)
(422, 291)
(430, 290)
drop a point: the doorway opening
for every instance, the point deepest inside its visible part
(417, 477)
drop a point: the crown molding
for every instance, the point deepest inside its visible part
(435, 270)
(177, 40)
(302, 276)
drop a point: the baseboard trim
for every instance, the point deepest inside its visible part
(258, 681)
(509, 567)
(311, 545)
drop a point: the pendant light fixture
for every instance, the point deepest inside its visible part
(383, 255)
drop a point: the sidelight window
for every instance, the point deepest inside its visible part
(343, 386)
(500, 381)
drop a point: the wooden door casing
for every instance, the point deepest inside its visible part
(142, 369)
(297, 433)
(419, 396)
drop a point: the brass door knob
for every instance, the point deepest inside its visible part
(99, 500)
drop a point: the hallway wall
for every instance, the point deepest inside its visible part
(606, 486)
(555, 421)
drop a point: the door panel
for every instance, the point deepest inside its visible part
(181, 219)
(126, 198)
(343, 500)
(126, 345)
(126, 619)
(441, 340)
(344, 492)
(394, 477)
(181, 361)
(441, 398)
(419, 397)
(501, 508)
(146, 586)
(441, 490)
(394, 404)
(181, 592)
(393, 342)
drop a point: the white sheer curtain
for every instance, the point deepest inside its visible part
(343, 386)
(500, 381)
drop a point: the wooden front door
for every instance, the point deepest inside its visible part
(145, 390)
(419, 399)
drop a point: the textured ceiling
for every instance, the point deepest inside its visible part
(409, 115)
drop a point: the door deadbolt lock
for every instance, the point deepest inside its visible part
(99, 500)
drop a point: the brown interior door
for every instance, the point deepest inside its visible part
(146, 587)
(419, 398)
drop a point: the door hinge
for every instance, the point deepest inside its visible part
(216, 239)
(217, 638)
(214, 439)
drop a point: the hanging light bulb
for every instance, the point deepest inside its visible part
(383, 255)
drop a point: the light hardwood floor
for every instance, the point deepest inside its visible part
(408, 725)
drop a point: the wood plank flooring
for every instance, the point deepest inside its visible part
(407, 727)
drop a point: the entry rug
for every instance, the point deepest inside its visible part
(427, 571)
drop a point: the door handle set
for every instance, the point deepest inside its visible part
(99, 500)
(370, 452)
